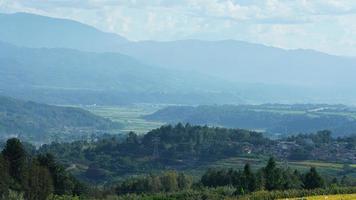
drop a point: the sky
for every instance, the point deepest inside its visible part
(324, 25)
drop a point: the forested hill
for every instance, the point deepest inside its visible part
(186, 147)
(271, 118)
(41, 122)
(179, 147)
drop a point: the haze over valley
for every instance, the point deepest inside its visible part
(179, 100)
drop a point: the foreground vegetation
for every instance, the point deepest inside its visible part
(36, 176)
(33, 177)
(192, 148)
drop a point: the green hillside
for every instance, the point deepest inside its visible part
(42, 123)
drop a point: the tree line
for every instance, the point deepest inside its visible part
(270, 177)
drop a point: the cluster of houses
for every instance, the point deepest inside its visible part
(332, 152)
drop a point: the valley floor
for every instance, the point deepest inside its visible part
(130, 116)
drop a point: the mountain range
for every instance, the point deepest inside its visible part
(226, 71)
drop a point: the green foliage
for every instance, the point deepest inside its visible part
(15, 195)
(273, 175)
(313, 180)
(15, 155)
(39, 185)
(169, 181)
(4, 177)
(270, 178)
(179, 146)
(33, 178)
(62, 197)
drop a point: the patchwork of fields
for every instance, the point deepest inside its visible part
(129, 116)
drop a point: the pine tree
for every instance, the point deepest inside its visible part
(15, 154)
(249, 178)
(313, 180)
(273, 176)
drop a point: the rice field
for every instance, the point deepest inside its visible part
(328, 197)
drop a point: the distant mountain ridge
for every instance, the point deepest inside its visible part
(247, 62)
(231, 59)
(37, 31)
(67, 76)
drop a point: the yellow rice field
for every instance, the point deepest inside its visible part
(328, 197)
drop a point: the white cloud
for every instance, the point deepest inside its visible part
(326, 25)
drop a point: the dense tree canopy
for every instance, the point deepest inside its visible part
(36, 177)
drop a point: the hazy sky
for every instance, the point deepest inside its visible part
(325, 25)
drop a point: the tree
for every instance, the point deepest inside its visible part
(249, 179)
(40, 184)
(273, 175)
(313, 180)
(291, 180)
(169, 181)
(260, 180)
(15, 154)
(184, 181)
(4, 178)
(62, 182)
(154, 184)
(132, 138)
(345, 181)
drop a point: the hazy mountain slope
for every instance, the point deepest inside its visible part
(275, 119)
(41, 122)
(70, 76)
(37, 31)
(252, 73)
(229, 59)
(245, 62)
